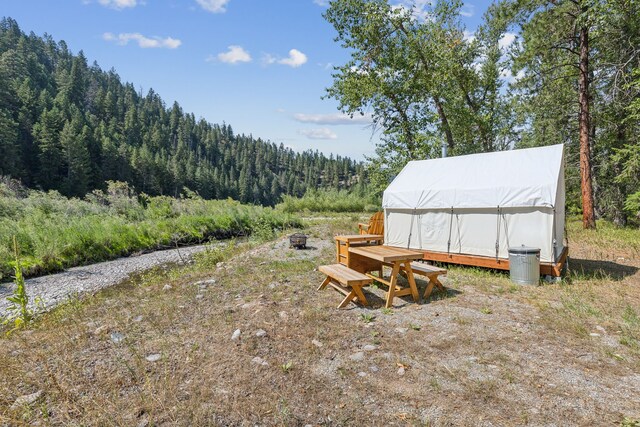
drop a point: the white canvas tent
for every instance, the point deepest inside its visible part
(480, 204)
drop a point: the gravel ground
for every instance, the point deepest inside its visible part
(57, 288)
(252, 342)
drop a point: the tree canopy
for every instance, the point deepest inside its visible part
(535, 72)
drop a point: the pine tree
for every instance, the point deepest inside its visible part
(76, 155)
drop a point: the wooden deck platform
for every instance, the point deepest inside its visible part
(546, 268)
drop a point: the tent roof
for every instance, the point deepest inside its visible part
(516, 178)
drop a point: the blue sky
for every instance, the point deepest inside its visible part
(259, 65)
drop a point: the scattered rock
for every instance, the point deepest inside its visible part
(167, 287)
(594, 334)
(27, 400)
(259, 361)
(138, 319)
(220, 265)
(117, 337)
(374, 368)
(283, 315)
(362, 374)
(317, 343)
(58, 288)
(357, 357)
(369, 347)
(273, 285)
(236, 335)
(144, 421)
(101, 330)
(205, 283)
(601, 329)
(402, 330)
(401, 370)
(154, 357)
(199, 296)
(261, 333)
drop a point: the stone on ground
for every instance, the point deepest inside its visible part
(27, 400)
(154, 357)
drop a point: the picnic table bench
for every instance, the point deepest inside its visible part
(346, 281)
(431, 272)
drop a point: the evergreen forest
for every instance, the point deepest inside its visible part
(69, 126)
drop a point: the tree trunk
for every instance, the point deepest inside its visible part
(588, 217)
(444, 122)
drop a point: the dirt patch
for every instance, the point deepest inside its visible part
(484, 353)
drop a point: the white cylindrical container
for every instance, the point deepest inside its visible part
(524, 265)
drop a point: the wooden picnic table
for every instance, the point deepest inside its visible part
(371, 258)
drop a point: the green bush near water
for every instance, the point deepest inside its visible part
(54, 232)
(329, 201)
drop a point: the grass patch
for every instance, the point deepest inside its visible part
(329, 201)
(54, 232)
(367, 317)
(606, 238)
(479, 367)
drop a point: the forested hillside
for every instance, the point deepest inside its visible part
(68, 126)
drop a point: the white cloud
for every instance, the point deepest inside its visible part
(332, 119)
(214, 6)
(234, 55)
(508, 76)
(467, 10)
(295, 59)
(506, 40)
(268, 59)
(321, 2)
(419, 9)
(118, 4)
(143, 41)
(468, 36)
(320, 133)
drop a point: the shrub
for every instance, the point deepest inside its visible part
(329, 201)
(55, 232)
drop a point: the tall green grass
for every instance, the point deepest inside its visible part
(54, 232)
(607, 236)
(329, 201)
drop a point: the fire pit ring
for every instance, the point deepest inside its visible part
(298, 241)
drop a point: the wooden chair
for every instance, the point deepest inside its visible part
(375, 225)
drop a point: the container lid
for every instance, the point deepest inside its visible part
(523, 250)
